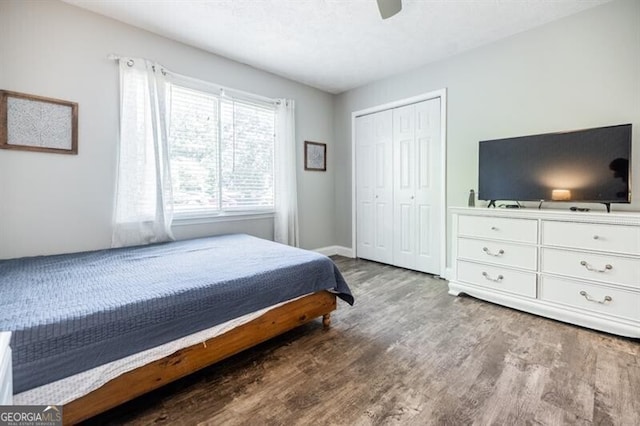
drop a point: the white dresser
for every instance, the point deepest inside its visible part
(581, 268)
(6, 381)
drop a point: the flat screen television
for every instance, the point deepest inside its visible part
(591, 165)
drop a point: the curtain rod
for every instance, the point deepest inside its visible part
(224, 91)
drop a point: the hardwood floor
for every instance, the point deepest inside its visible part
(408, 353)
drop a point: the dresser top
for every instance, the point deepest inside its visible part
(618, 218)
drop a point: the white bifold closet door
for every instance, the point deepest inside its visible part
(416, 186)
(374, 187)
(398, 199)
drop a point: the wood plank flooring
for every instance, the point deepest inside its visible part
(408, 353)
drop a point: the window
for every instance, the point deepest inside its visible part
(221, 153)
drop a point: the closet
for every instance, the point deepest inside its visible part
(398, 198)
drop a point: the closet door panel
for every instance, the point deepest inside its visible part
(383, 191)
(427, 190)
(405, 235)
(365, 188)
(404, 186)
(424, 234)
(374, 200)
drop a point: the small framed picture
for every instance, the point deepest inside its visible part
(315, 156)
(36, 123)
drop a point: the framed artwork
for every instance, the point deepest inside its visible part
(36, 123)
(315, 156)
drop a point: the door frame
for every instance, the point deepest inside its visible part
(442, 94)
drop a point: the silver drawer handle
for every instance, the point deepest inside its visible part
(591, 299)
(595, 237)
(498, 254)
(493, 228)
(496, 280)
(607, 267)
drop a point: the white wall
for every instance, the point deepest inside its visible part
(52, 203)
(581, 71)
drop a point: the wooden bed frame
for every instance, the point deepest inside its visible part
(193, 358)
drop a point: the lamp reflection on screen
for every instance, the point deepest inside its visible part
(561, 195)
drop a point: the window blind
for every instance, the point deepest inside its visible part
(222, 152)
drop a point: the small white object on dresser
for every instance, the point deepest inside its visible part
(6, 377)
(580, 268)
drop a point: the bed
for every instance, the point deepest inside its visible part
(130, 320)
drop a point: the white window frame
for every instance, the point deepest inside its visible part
(208, 216)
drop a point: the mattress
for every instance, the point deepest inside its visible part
(78, 385)
(70, 313)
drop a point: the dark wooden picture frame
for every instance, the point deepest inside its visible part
(315, 156)
(25, 121)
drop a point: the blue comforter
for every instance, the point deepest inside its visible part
(69, 313)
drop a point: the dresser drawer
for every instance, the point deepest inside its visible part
(499, 278)
(592, 236)
(591, 266)
(499, 252)
(622, 303)
(518, 230)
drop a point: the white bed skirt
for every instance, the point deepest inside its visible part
(73, 387)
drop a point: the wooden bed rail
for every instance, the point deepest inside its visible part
(193, 358)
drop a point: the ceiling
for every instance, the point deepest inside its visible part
(335, 45)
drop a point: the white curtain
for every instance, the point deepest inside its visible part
(286, 216)
(143, 205)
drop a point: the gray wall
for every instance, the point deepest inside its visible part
(51, 203)
(578, 72)
(581, 71)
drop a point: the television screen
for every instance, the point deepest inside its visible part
(583, 165)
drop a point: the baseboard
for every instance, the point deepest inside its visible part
(327, 251)
(335, 250)
(345, 251)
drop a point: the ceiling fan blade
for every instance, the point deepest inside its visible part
(388, 8)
